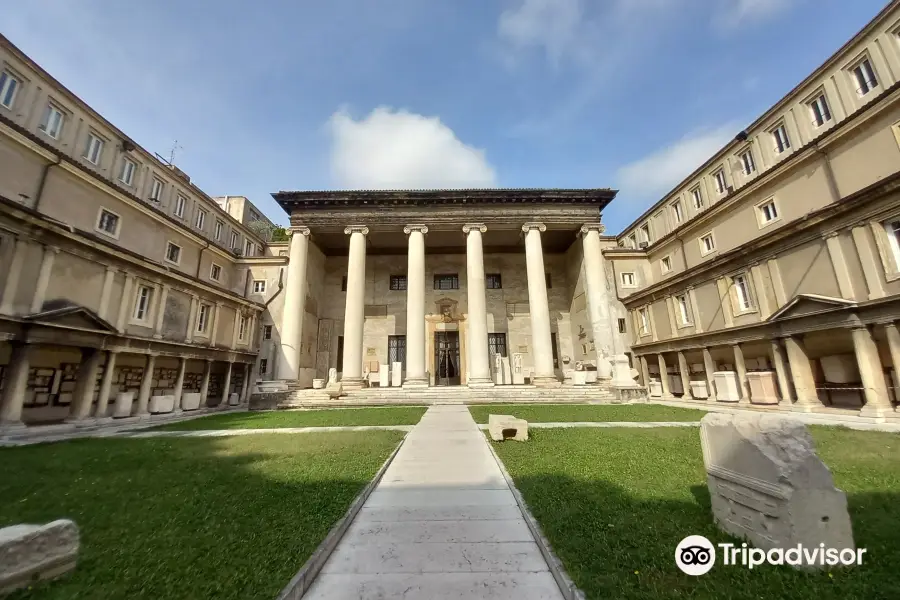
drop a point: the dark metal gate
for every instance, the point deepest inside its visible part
(446, 358)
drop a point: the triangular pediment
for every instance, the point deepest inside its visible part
(70, 315)
(808, 304)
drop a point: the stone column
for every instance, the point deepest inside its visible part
(645, 371)
(226, 385)
(355, 309)
(893, 339)
(415, 307)
(109, 370)
(204, 383)
(192, 319)
(179, 383)
(741, 368)
(784, 385)
(685, 373)
(214, 332)
(595, 287)
(801, 375)
(663, 375)
(40, 290)
(15, 385)
(11, 285)
(539, 306)
(878, 404)
(146, 386)
(85, 384)
(106, 290)
(125, 306)
(160, 311)
(248, 372)
(709, 367)
(288, 367)
(477, 335)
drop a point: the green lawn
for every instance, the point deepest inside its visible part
(226, 518)
(568, 413)
(336, 417)
(614, 504)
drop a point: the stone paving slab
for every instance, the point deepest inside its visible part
(436, 586)
(418, 532)
(440, 513)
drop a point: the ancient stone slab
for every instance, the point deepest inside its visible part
(768, 485)
(190, 401)
(234, 399)
(333, 388)
(506, 427)
(699, 390)
(763, 387)
(727, 389)
(518, 370)
(397, 374)
(29, 552)
(507, 372)
(122, 409)
(384, 376)
(161, 404)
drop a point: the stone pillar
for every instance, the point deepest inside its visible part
(85, 384)
(355, 309)
(245, 389)
(15, 385)
(288, 367)
(709, 367)
(415, 307)
(477, 335)
(685, 373)
(784, 385)
(125, 307)
(179, 383)
(741, 368)
(204, 383)
(878, 404)
(645, 372)
(109, 370)
(146, 386)
(105, 292)
(801, 375)
(539, 306)
(160, 311)
(40, 290)
(598, 304)
(893, 339)
(11, 285)
(192, 319)
(226, 385)
(663, 375)
(214, 333)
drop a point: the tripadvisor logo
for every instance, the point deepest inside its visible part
(696, 555)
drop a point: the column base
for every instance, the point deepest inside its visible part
(81, 421)
(352, 383)
(416, 383)
(876, 412)
(804, 407)
(12, 427)
(549, 381)
(481, 382)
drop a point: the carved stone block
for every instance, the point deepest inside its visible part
(507, 427)
(30, 552)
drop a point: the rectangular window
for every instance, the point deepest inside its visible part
(721, 185)
(697, 195)
(52, 123)
(248, 248)
(707, 244)
(683, 309)
(267, 332)
(666, 264)
(644, 317)
(398, 282)
(747, 164)
(768, 212)
(446, 282)
(263, 366)
(242, 328)
(344, 283)
(548, 280)
(497, 344)
(142, 303)
(203, 317)
(259, 286)
(215, 272)
(180, 202)
(632, 240)
(821, 114)
(254, 216)
(219, 227)
(864, 76)
(108, 223)
(156, 190)
(645, 234)
(741, 292)
(892, 228)
(9, 85)
(200, 221)
(493, 281)
(781, 139)
(173, 253)
(628, 280)
(677, 211)
(93, 151)
(126, 175)
(397, 349)
(622, 326)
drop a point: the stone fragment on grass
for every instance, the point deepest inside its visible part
(507, 427)
(34, 552)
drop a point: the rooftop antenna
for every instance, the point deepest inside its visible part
(175, 148)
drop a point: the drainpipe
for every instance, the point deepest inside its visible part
(43, 181)
(280, 287)
(200, 259)
(829, 175)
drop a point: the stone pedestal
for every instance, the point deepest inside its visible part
(699, 390)
(580, 377)
(190, 401)
(763, 387)
(161, 404)
(656, 389)
(122, 407)
(727, 386)
(396, 374)
(384, 376)
(518, 371)
(234, 399)
(507, 372)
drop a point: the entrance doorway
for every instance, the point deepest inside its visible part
(446, 358)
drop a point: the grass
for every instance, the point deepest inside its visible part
(166, 518)
(336, 417)
(569, 413)
(614, 503)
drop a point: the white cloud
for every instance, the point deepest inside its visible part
(550, 24)
(662, 170)
(741, 12)
(402, 150)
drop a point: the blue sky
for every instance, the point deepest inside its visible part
(282, 94)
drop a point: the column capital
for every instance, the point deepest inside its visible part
(51, 249)
(110, 269)
(299, 230)
(532, 225)
(481, 227)
(588, 227)
(415, 228)
(350, 229)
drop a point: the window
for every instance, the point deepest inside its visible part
(741, 287)
(622, 327)
(892, 228)
(721, 185)
(493, 281)
(215, 272)
(254, 216)
(767, 212)
(497, 344)
(677, 211)
(747, 164)
(263, 365)
(94, 148)
(645, 233)
(173, 253)
(644, 317)
(683, 309)
(267, 332)
(219, 227)
(397, 349)
(628, 280)
(446, 282)
(820, 112)
(156, 190)
(344, 283)
(52, 123)
(259, 286)
(108, 223)
(697, 195)
(203, 318)
(142, 303)
(248, 248)
(632, 241)
(666, 264)
(126, 175)
(9, 85)
(201, 219)
(180, 201)
(242, 328)
(864, 76)
(398, 282)
(780, 138)
(548, 280)
(707, 244)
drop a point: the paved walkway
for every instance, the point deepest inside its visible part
(442, 523)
